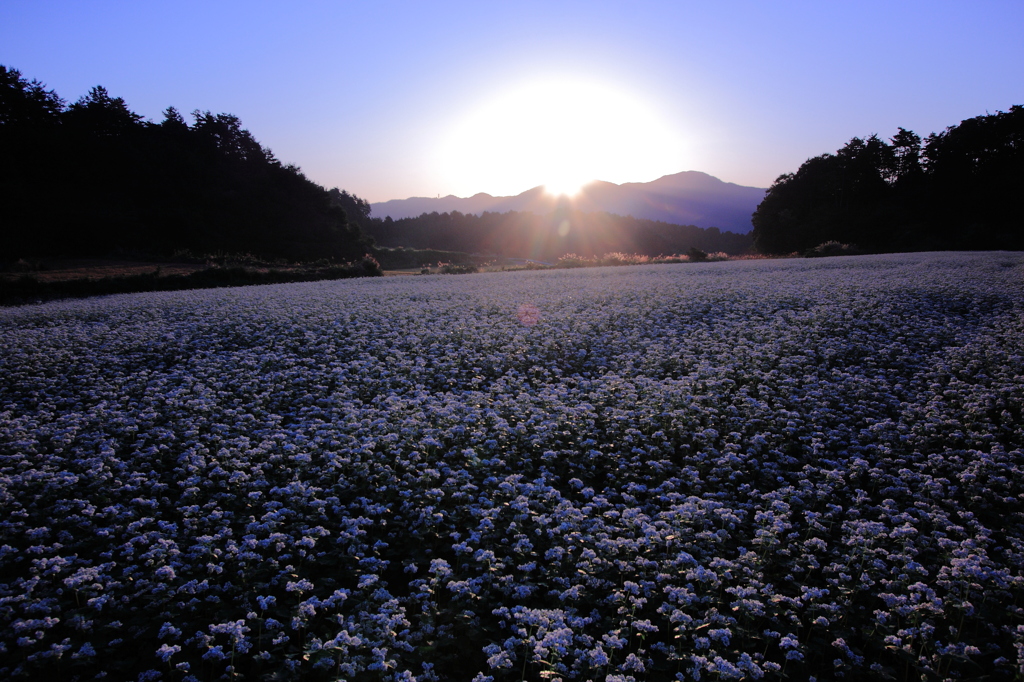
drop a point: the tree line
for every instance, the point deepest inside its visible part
(548, 237)
(959, 189)
(94, 179)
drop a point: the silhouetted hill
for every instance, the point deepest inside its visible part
(687, 198)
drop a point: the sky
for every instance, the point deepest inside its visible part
(389, 100)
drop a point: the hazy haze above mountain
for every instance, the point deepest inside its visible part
(687, 198)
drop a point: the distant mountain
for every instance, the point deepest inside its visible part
(687, 198)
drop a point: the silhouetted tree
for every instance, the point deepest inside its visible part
(173, 120)
(226, 134)
(357, 210)
(904, 158)
(95, 179)
(100, 114)
(976, 178)
(961, 191)
(801, 209)
(25, 103)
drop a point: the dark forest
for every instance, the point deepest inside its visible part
(93, 179)
(959, 189)
(548, 237)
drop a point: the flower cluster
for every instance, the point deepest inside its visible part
(751, 469)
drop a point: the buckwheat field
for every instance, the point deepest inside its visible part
(748, 469)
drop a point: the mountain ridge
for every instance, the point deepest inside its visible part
(685, 198)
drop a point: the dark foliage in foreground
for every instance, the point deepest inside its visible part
(548, 237)
(94, 178)
(960, 190)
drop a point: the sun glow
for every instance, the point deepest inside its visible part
(567, 186)
(559, 133)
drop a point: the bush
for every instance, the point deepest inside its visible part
(695, 255)
(619, 258)
(832, 248)
(571, 260)
(368, 265)
(457, 269)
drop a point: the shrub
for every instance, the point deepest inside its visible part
(619, 258)
(368, 265)
(458, 269)
(571, 260)
(695, 255)
(832, 248)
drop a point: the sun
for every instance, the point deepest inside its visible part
(560, 133)
(569, 186)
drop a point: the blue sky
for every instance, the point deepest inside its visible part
(379, 98)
